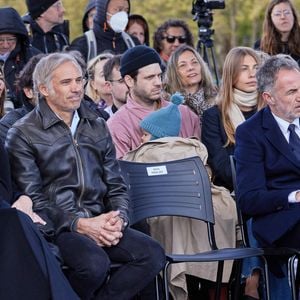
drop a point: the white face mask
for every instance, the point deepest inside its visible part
(118, 21)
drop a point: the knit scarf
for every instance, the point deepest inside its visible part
(197, 102)
(241, 98)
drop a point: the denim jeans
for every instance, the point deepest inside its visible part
(279, 287)
(141, 257)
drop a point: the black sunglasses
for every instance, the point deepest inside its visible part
(171, 39)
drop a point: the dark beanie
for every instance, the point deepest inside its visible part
(37, 7)
(138, 57)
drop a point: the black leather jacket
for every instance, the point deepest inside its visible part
(67, 177)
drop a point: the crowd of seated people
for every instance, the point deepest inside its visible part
(70, 109)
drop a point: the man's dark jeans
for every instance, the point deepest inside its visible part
(89, 265)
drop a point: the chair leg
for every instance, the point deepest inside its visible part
(219, 279)
(157, 287)
(292, 276)
(165, 280)
(267, 282)
(236, 289)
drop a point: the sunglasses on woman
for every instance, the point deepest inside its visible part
(171, 39)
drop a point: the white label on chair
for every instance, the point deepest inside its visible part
(159, 170)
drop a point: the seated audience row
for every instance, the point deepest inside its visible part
(128, 89)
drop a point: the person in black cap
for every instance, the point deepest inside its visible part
(46, 25)
(108, 31)
(141, 70)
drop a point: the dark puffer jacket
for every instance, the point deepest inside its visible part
(66, 177)
(11, 22)
(106, 38)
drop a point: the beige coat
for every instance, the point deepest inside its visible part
(182, 235)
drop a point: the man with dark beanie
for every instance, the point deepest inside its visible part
(108, 31)
(46, 26)
(141, 70)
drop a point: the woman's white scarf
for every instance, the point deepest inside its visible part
(241, 98)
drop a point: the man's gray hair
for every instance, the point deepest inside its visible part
(45, 67)
(267, 73)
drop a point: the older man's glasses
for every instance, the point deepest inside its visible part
(8, 40)
(171, 39)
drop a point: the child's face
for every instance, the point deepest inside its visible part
(145, 137)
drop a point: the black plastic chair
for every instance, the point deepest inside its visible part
(290, 253)
(179, 188)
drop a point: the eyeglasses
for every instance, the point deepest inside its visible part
(171, 39)
(8, 40)
(121, 80)
(278, 14)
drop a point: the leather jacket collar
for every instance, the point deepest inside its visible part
(49, 118)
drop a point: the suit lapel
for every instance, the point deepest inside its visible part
(276, 138)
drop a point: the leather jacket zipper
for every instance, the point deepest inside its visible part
(80, 169)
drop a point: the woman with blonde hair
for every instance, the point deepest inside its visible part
(236, 101)
(95, 87)
(188, 74)
(281, 30)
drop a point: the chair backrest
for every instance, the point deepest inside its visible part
(173, 188)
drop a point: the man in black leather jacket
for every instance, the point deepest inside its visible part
(62, 156)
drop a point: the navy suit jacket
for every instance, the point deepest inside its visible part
(267, 172)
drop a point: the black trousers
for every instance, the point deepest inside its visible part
(142, 259)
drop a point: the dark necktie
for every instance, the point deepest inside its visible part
(294, 141)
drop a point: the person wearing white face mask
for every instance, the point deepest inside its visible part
(108, 33)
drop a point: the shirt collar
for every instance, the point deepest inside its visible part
(75, 122)
(284, 125)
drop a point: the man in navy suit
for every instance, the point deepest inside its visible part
(268, 170)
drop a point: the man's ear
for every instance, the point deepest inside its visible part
(268, 98)
(129, 81)
(44, 90)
